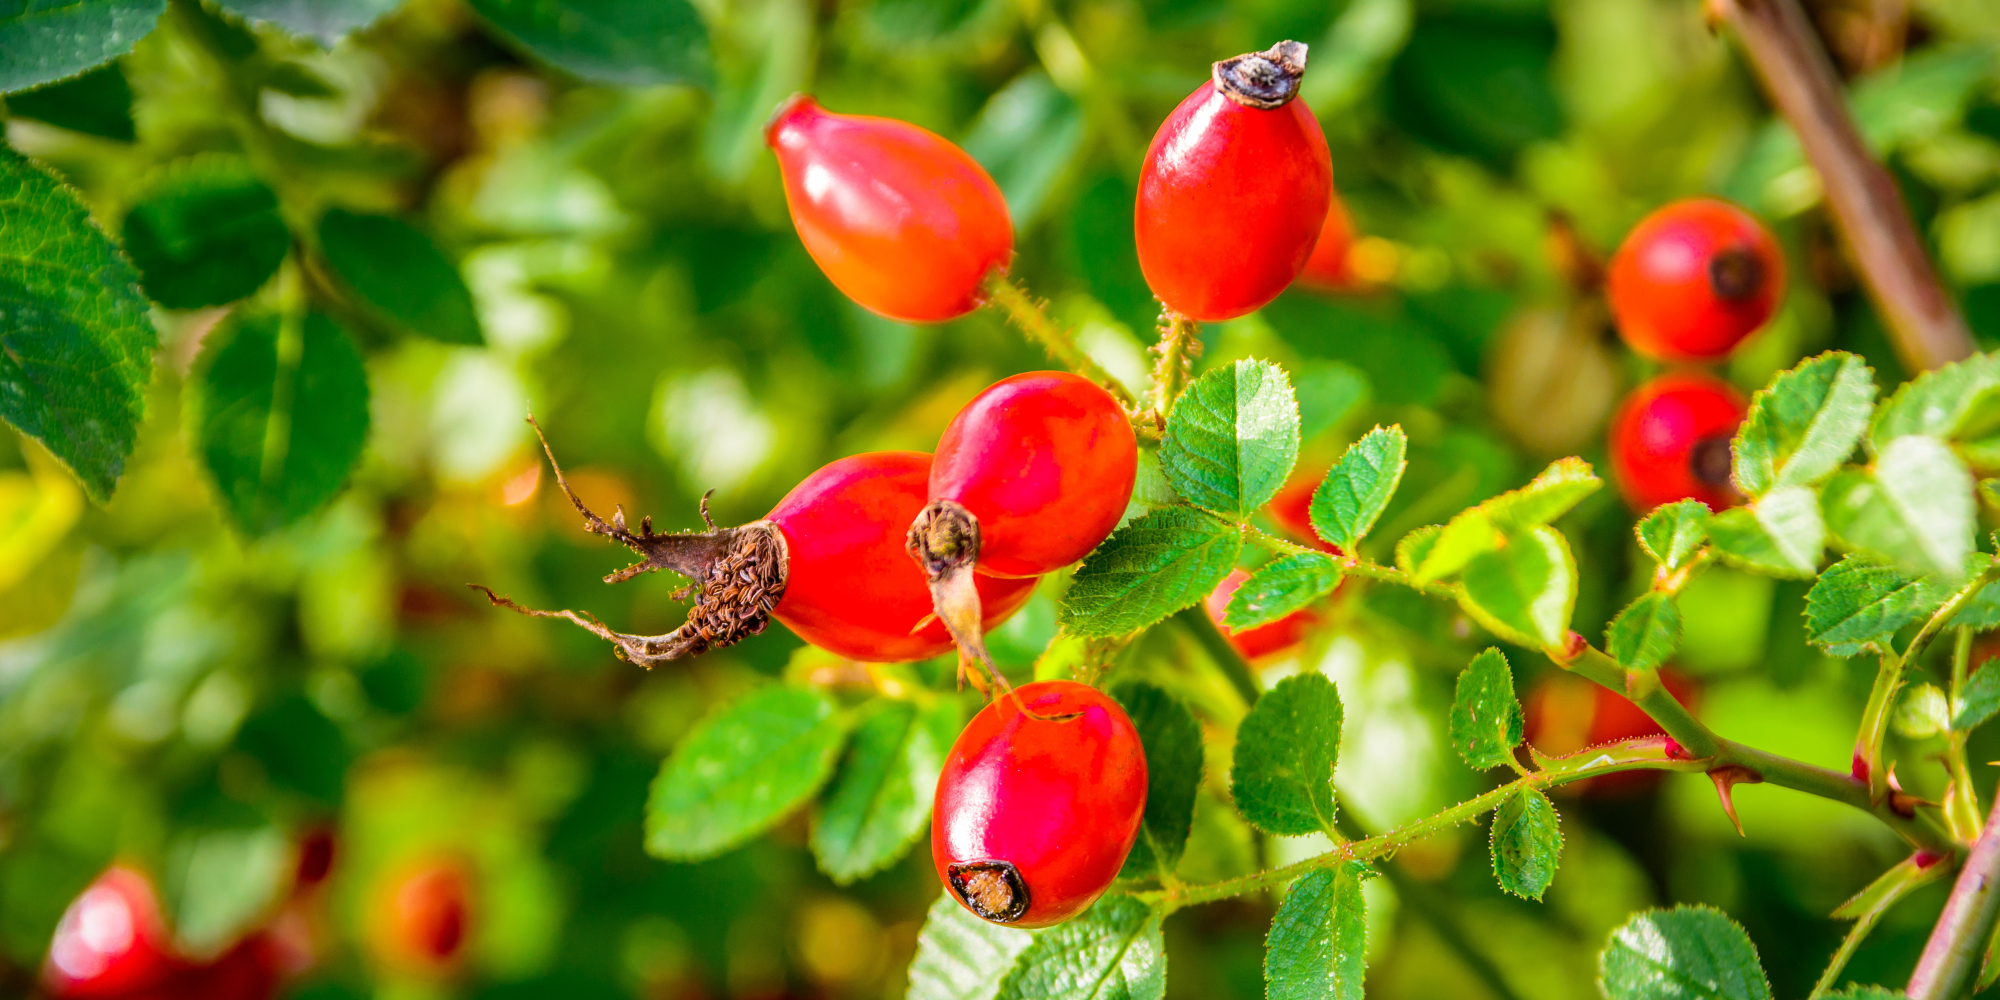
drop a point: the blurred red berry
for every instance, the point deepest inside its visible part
(112, 941)
(1693, 279)
(1671, 441)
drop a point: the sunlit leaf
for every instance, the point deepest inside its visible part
(1280, 587)
(1862, 600)
(52, 39)
(1524, 591)
(1526, 843)
(1286, 749)
(1318, 947)
(741, 770)
(1149, 569)
(1781, 533)
(1232, 438)
(1804, 424)
(1686, 953)
(1354, 493)
(1486, 527)
(1647, 633)
(1112, 952)
(1486, 718)
(960, 956)
(1673, 533)
(1915, 508)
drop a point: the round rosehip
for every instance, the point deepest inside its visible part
(1269, 639)
(1034, 815)
(1234, 190)
(1328, 269)
(111, 942)
(423, 915)
(1670, 441)
(1693, 279)
(904, 222)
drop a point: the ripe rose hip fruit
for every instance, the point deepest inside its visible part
(251, 970)
(423, 915)
(1029, 477)
(111, 941)
(1264, 640)
(828, 561)
(1234, 190)
(1034, 817)
(1670, 441)
(904, 222)
(1693, 279)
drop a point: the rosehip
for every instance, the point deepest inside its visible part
(1034, 817)
(1693, 279)
(423, 916)
(1328, 269)
(1670, 441)
(1234, 190)
(111, 942)
(249, 971)
(1264, 640)
(904, 222)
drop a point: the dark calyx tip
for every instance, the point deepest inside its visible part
(993, 889)
(1265, 80)
(1709, 460)
(943, 538)
(1736, 274)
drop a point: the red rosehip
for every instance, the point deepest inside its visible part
(111, 941)
(1264, 640)
(1693, 279)
(1034, 816)
(315, 858)
(904, 222)
(1670, 441)
(1328, 269)
(1234, 190)
(252, 970)
(423, 915)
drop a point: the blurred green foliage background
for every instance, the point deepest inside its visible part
(176, 689)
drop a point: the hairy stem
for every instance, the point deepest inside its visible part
(1961, 804)
(1180, 343)
(1196, 621)
(1951, 957)
(1353, 565)
(1924, 325)
(1030, 314)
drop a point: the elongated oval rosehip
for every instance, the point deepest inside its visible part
(904, 222)
(1234, 189)
(1693, 279)
(1670, 441)
(1268, 639)
(1029, 477)
(1034, 817)
(111, 942)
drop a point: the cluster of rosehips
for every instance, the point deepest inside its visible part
(113, 942)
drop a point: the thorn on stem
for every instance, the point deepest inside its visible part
(1726, 778)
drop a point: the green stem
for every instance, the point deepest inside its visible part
(1874, 726)
(1180, 342)
(1353, 565)
(1028, 313)
(1868, 906)
(1961, 805)
(1197, 623)
(1951, 958)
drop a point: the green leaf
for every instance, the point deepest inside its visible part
(326, 21)
(279, 425)
(1486, 527)
(1112, 952)
(1978, 700)
(1318, 945)
(1286, 748)
(960, 956)
(1412, 549)
(1981, 613)
(1485, 716)
(880, 798)
(1954, 402)
(1354, 493)
(1862, 601)
(1646, 633)
(1232, 438)
(1280, 587)
(207, 234)
(97, 103)
(1527, 843)
(1149, 569)
(401, 274)
(1804, 424)
(1172, 739)
(1686, 953)
(1673, 533)
(1916, 508)
(47, 40)
(740, 771)
(636, 43)
(1780, 533)
(76, 345)
(1524, 592)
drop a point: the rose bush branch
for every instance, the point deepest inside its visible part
(1951, 957)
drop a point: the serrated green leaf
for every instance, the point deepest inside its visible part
(1485, 528)
(1354, 493)
(279, 426)
(960, 956)
(1804, 424)
(1318, 945)
(51, 39)
(1527, 843)
(1977, 701)
(76, 345)
(1485, 716)
(1149, 569)
(1951, 403)
(1286, 749)
(880, 798)
(741, 770)
(207, 234)
(1915, 508)
(1686, 953)
(401, 274)
(1280, 587)
(1525, 591)
(1413, 548)
(1780, 533)
(1112, 952)
(1232, 438)
(1863, 600)
(635, 43)
(1172, 739)
(326, 21)
(1673, 533)
(1981, 613)
(1647, 633)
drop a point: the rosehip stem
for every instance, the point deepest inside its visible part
(1180, 344)
(1951, 958)
(1031, 315)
